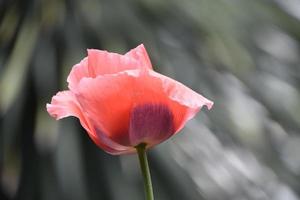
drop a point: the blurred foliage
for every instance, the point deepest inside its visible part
(242, 54)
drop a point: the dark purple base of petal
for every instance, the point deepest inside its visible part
(150, 123)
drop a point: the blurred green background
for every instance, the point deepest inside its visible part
(244, 55)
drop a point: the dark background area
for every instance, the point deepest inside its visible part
(243, 55)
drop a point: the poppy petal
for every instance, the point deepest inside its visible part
(104, 62)
(141, 56)
(110, 100)
(101, 62)
(64, 104)
(190, 102)
(107, 101)
(78, 71)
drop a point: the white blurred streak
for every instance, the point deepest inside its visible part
(284, 193)
(245, 115)
(225, 172)
(277, 134)
(291, 6)
(280, 95)
(290, 154)
(278, 44)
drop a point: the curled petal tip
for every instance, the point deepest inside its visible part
(209, 105)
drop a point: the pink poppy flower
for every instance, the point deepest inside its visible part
(121, 102)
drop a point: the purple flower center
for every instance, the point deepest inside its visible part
(150, 123)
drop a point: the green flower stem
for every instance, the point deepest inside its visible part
(141, 150)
